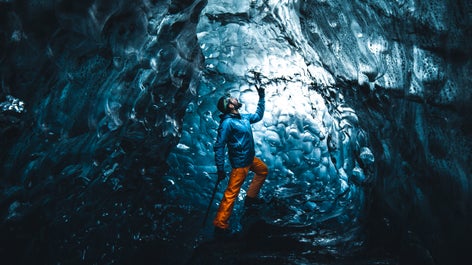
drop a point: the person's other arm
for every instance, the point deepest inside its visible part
(220, 144)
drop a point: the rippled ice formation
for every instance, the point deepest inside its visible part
(315, 149)
(358, 92)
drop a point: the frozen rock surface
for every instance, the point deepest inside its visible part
(108, 118)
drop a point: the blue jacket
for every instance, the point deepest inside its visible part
(235, 131)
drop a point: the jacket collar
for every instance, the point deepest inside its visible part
(230, 115)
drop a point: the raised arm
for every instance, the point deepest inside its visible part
(257, 116)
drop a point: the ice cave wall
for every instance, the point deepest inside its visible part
(103, 85)
(411, 73)
(94, 93)
(403, 66)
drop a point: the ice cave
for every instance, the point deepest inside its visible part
(108, 113)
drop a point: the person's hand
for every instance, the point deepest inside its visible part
(260, 91)
(221, 175)
(258, 84)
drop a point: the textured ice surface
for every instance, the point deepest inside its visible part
(366, 126)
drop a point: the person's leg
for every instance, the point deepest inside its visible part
(236, 180)
(260, 169)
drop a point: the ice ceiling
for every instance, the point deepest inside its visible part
(108, 118)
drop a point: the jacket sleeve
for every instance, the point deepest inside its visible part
(257, 116)
(220, 144)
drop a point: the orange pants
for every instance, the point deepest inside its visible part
(236, 180)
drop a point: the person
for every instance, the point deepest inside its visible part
(235, 132)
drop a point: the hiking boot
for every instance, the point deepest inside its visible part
(249, 201)
(222, 233)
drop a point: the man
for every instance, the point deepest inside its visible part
(235, 132)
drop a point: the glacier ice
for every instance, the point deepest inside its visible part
(108, 118)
